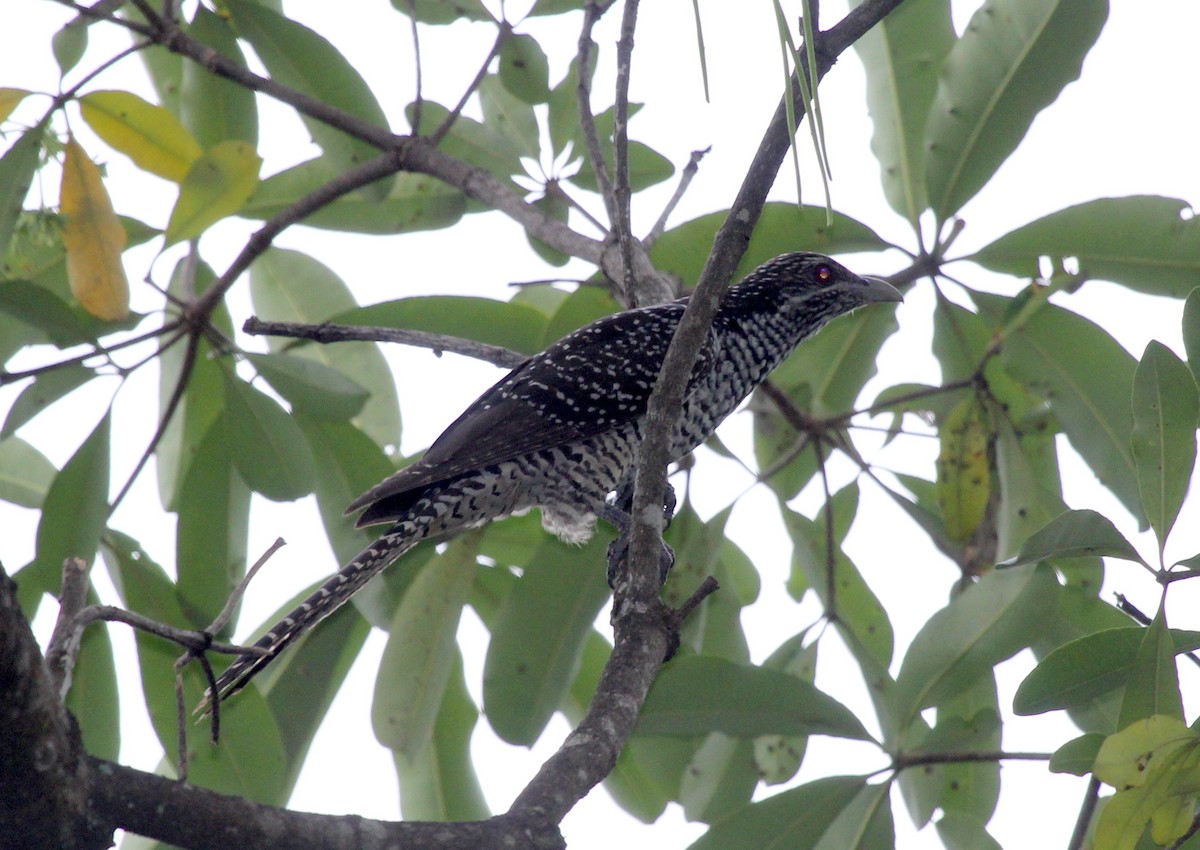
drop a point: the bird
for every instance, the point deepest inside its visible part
(561, 432)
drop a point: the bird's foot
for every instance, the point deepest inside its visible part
(618, 550)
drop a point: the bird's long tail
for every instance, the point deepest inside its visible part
(320, 604)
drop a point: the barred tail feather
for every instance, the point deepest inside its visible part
(320, 604)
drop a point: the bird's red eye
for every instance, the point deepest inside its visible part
(824, 273)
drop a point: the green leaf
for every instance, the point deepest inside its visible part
(837, 362)
(76, 505)
(962, 832)
(69, 44)
(218, 185)
(778, 757)
(524, 69)
(300, 685)
(901, 56)
(1087, 383)
(1165, 411)
(514, 118)
(1078, 755)
(17, 167)
(1153, 686)
(404, 203)
(554, 204)
(311, 387)
(10, 99)
(269, 450)
(1076, 534)
(1191, 330)
(204, 399)
(440, 784)
(719, 778)
(1143, 242)
(439, 12)
(647, 167)
(695, 695)
(213, 108)
(25, 473)
(348, 463)
(417, 661)
(213, 508)
(289, 286)
(44, 390)
(1013, 60)
(304, 60)
(795, 819)
(538, 636)
(1079, 671)
(93, 698)
(865, 824)
(479, 144)
(1084, 669)
(38, 307)
(987, 623)
(149, 135)
(850, 601)
(970, 722)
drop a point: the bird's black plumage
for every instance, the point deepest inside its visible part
(563, 429)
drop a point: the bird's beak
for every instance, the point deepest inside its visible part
(878, 289)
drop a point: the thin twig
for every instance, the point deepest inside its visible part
(327, 332)
(622, 192)
(1090, 798)
(64, 642)
(236, 596)
(418, 101)
(185, 373)
(587, 121)
(444, 128)
(685, 180)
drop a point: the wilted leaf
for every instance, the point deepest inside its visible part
(149, 135)
(94, 239)
(964, 482)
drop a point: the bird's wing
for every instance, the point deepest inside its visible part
(597, 378)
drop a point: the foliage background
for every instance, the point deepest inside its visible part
(1119, 130)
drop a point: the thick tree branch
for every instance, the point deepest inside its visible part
(44, 777)
(728, 247)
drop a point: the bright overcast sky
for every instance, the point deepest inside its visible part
(1128, 127)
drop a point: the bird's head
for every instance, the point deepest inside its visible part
(815, 285)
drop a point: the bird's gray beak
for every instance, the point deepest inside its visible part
(878, 289)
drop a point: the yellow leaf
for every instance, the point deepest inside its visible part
(9, 98)
(94, 239)
(964, 478)
(1126, 757)
(149, 135)
(218, 184)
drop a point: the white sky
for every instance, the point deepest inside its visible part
(1128, 127)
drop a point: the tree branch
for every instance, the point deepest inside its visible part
(728, 247)
(44, 778)
(327, 332)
